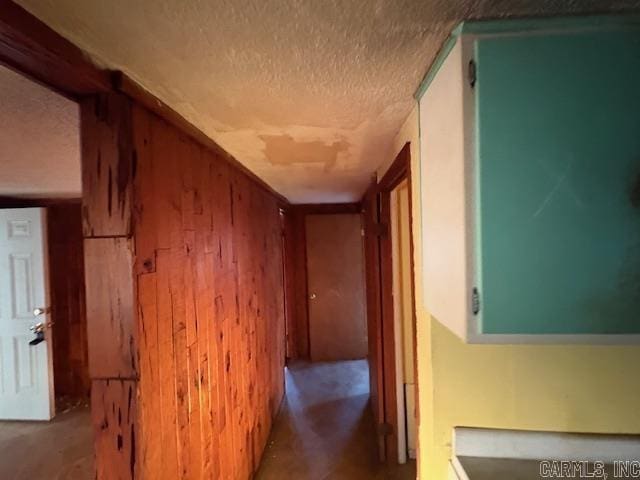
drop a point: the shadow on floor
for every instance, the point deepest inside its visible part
(58, 450)
(325, 428)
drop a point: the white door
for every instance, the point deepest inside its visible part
(26, 375)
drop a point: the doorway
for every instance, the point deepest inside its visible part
(45, 425)
(391, 310)
(325, 428)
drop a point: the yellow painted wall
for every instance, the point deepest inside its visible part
(560, 388)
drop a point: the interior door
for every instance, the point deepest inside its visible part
(335, 269)
(26, 375)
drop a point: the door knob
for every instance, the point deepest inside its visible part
(38, 330)
(40, 311)
(40, 326)
(312, 296)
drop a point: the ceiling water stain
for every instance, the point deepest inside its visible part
(327, 67)
(285, 150)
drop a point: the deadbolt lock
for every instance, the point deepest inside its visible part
(40, 311)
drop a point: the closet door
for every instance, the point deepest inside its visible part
(335, 269)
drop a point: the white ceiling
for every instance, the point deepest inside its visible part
(308, 94)
(39, 140)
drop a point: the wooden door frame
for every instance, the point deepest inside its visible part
(31, 48)
(383, 316)
(288, 285)
(48, 203)
(371, 222)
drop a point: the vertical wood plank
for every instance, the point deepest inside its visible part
(108, 165)
(113, 413)
(110, 308)
(167, 433)
(149, 406)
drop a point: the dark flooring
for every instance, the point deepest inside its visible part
(58, 450)
(325, 429)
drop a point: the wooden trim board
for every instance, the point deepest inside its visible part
(30, 47)
(399, 170)
(327, 208)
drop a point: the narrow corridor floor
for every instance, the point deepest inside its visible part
(325, 429)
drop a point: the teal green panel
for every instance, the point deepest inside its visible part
(558, 119)
(548, 24)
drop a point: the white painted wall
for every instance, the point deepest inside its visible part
(442, 149)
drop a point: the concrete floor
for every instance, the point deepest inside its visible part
(325, 429)
(58, 450)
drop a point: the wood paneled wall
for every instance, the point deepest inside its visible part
(188, 249)
(66, 271)
(211, 308)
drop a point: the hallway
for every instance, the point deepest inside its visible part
(325, 429)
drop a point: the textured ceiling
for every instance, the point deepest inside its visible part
(306, 93)
(39, 140)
